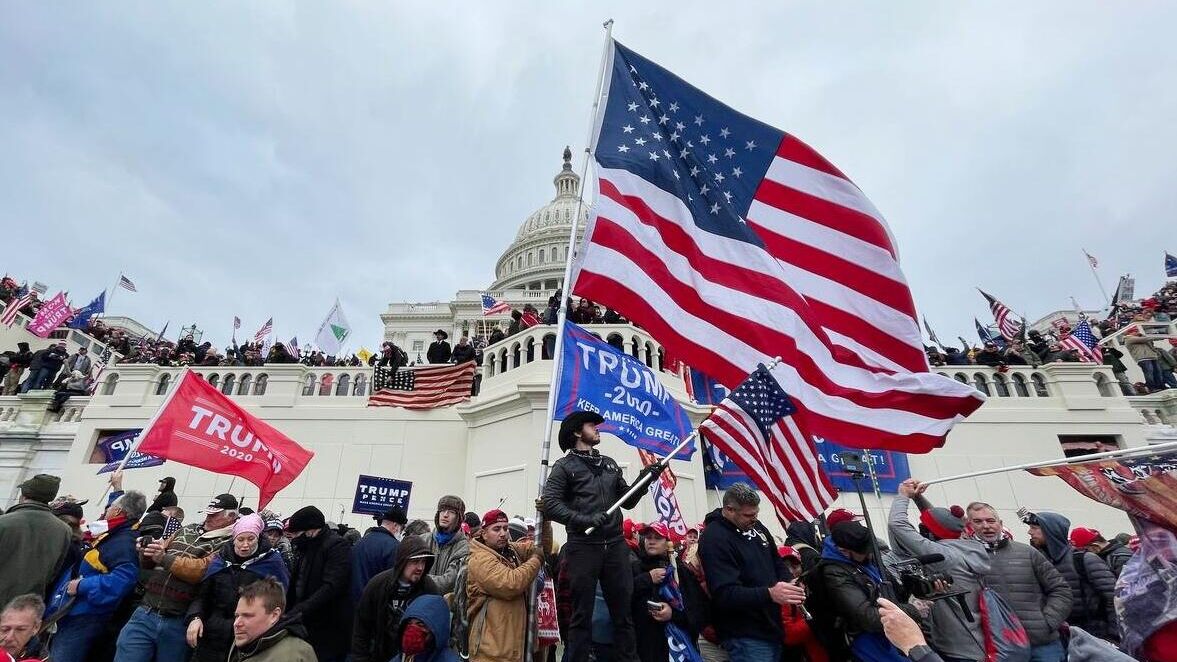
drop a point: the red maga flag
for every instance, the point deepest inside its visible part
(200, 427)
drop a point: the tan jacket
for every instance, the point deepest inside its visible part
(496, 590)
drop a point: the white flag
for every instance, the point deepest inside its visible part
(333, 331)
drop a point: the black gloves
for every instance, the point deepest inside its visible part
(598, 520)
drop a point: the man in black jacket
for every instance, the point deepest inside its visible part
(319, 584)
(747, 579)
(439, 349)
(385, 599)
(581, 487)
(463, 351)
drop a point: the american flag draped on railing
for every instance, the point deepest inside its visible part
(1007, 324)
(706, 222)
(1084, 342)
(754, 427)
(423, 387)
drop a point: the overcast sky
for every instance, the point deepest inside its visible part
(261, 159)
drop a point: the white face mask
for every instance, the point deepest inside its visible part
(399, 535)
(97, 527)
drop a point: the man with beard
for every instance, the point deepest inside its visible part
(447, 544)
(499, 576)
(385, 599)
(319, 583)
(580, 489)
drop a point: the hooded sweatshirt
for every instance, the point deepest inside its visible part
(385, 599)
(434, 614)
(1093, 598)
(166, 497)
(802, 537)
(853, 589)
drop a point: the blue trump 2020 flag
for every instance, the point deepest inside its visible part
(637, 408)
(82, 315)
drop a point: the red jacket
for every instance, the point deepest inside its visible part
(799, 636)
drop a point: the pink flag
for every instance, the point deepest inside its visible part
(53, 313)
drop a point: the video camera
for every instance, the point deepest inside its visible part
(926, 584)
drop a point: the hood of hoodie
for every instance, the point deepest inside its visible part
(1055, 528)
(802, 532)
(167, 484)
(409, 547)
(434, 613)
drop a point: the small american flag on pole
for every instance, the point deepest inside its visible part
(236, 322)
(492, 306)
(126, 283)
(1091, 260)
(754, 427)
(13, 308)
(1006, 323)
(264, 331)
(1084, 342)
(422, 388)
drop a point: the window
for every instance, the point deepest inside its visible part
(108, 386)
(529, 255)
(981, 384)
(214, 379)
(1076, 445)
(342, 386)
(1039, 385)
(165, 380)
(308, 385)
(259, 387)
(325, 384)
(1020, 386)
(1000, 385)
(243, 385)
(961, 377)
(541, 256)
(360, 385)
(228, 384)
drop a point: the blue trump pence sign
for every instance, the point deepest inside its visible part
(376, 494)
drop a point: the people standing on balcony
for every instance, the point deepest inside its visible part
(1147, 356)
(1112, 358)
(529, 318)
(439, 350)
(75, 384)
(989, 356)
(44, 366)
(18, 362)
(79, 362)
(463, 351)
(496, 335)
(1056, 354)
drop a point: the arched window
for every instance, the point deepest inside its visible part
(1104, 385)
(961, 377)
(492, 361)
(308, 384)
(325, 384)
(343, 385)
(227, 385)
(1020, 386)
(259, 387)
(529, 256)
(517, 355)
(360, 385)
(243, 385)
(1000, 385)
(1040, 385)
(108, 386)
(161, 388)
(634, 347)
(616, 341)
(214, 379)
(650, 355)
(530, 349)
(661, 359)
(981, 384)
(541, 256)
(519, 262)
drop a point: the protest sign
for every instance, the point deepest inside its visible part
(376, 494)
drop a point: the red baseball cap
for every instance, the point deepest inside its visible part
(1082, 536)
(839, 515)
(493, 517)
(659, 528)
(787, 552)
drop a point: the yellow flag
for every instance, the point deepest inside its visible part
(364, 355)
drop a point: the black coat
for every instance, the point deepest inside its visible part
(439, 352)
(319, 584)
(578, 488)
(382, 604)
(462, 353)
(649, 633)
(216, 601)
(166, 497)
(740, 567)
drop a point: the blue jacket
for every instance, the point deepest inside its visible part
(434, 613)
(372, 555)
(108, 572)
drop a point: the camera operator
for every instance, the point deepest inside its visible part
(955, 633)
(851, 584)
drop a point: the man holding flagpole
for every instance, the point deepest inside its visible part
(580, 489)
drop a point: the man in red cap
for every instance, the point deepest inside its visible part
(839, 515)
(1114, 552)
(499, 575)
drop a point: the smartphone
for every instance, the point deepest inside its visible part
(144, 541)
(653, 606)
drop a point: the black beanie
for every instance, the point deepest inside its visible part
(305, 519)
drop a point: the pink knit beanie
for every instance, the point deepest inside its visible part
(251, 523)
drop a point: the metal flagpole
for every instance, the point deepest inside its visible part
(111, 297)
(1123, 452)
(561, 318)
(1099, 282)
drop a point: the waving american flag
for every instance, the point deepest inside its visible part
(492, 306)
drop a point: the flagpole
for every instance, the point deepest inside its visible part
(561, 318)
(111, 297)
(1123, 452)
(1099, 282)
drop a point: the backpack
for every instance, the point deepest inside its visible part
(1006, 639)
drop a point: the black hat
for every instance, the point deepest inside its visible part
(572, 424)
(393, 514)
(152, 524)
(221, 503)
(852, 536)
(70, 508)
(442, 333)
(305, 519)
(473, 520)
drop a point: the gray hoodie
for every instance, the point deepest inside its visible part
(952, 633)
(1093, 601)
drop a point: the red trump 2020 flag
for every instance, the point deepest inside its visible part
(200, 427)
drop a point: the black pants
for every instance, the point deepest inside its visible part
(587, 564)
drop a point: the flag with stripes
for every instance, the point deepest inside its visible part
(754, 427)
(13, 308)
(1091, 260)
(425, 387)
(665, 500)
(492, 306)
(263, 332)
(1084, 342)
(126, 283)
(706, 222)
(236, 322)
(292, 347)
(1007, 324)
(1143, 485)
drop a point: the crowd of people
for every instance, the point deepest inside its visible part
(138, 583)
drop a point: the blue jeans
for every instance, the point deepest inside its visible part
(36, 380)
(1154, 376)
(746, 649)
(152, 637)
(74, 636)
(1052, 652)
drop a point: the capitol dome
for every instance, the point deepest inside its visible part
(535, 260)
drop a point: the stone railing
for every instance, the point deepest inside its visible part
(31, 410)
(538, 342)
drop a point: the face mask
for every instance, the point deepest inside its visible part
(399, 535)
(415, 639)
(301, 542)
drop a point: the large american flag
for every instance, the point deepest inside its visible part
(422, 388)
(263, 332)
(492, 306)
(1084, 342)
(1007, 324)
(733, 242)
(13, 308)
(754, 426)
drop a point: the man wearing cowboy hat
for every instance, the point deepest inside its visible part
(580, 489)
(439, 349)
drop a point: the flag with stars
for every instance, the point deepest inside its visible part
(754, 427)
(492, 306)
(733, 242)
(1084, 342)
(424, 387)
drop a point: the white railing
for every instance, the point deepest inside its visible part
(538, 342)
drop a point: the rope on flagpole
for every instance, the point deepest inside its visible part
(1121, 453)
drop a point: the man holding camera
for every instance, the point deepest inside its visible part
(956, 632)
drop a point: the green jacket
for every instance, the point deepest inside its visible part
(33, 546)
(282, 643)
